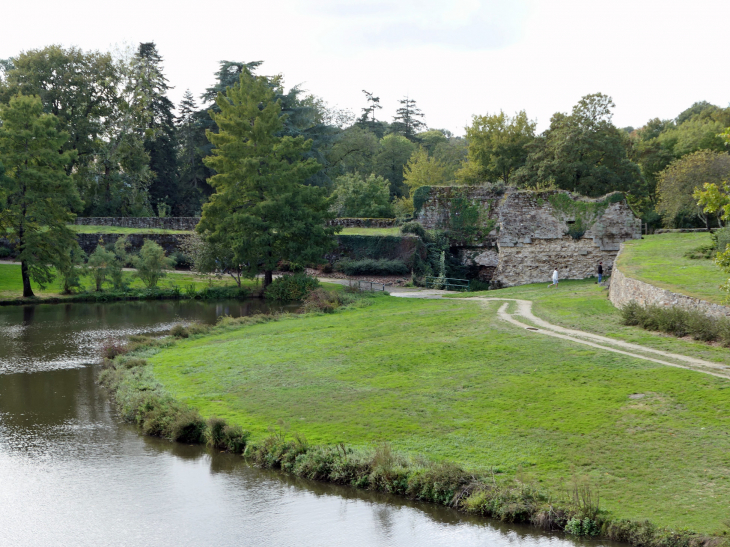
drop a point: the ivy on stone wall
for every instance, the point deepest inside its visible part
(469, 218)
(420, 196)
(579, 215)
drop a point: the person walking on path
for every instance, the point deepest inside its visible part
(555, 279)
(600, 272)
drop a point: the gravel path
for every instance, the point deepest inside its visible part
(541, 327)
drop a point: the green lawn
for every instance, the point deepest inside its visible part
(448, 380)
(11, 284)
(119, 230)
(371, 231)
(659, 260)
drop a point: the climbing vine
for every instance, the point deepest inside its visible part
(469, 218)
(580, 215)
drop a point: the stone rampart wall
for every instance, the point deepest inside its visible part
(534, 263)
(167, 223)
(624, 289)
(531, 233)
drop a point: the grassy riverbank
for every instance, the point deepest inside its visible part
(447, 380)
(11, 285)
(659, 260)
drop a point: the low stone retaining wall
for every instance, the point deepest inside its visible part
(167, 223)
(169, 242)
(624, 289)
(364, 222)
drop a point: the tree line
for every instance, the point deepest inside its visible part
(95, 133)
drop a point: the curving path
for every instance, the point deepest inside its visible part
(541, 327)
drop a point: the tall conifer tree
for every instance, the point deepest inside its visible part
(160, 140)
(261, 211)
(38, 194)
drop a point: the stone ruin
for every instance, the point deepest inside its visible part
(514, 237)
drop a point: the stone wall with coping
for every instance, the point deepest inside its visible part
(364, 222)
(166, 223)
(624, 289)
(170, 242)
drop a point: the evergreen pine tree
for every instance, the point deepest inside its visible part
(261, 211)
(38, 194)
(160, 137)
(407, 120)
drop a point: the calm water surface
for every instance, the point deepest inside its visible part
(72, 474)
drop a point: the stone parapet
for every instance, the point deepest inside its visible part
(166, 223)
(364, 222)
(624, 289)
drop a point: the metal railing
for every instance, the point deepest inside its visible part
(447, 283)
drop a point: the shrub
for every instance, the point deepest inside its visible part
(187, 426)
(415, 228)
(369, 266)
(113, 348)
(5, 251)
(286, 266)
(179, 331)
(151, 263)
(677, 321)
(320, 300)
(287, 288)
(182, 260)
(327, 268)
(101, 264)
(478, 285)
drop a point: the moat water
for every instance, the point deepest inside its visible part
(73, 474)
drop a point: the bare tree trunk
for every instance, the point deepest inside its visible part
(27, 291)
(268, 278)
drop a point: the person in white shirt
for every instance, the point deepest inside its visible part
(555, 279)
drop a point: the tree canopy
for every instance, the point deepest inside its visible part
(38, 195)
(261, 211)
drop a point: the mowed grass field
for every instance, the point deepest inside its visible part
(659, 260)
(11, 283)
(447, 380)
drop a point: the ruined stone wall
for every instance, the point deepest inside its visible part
(625, 289)
(167, 223)
(531, 233)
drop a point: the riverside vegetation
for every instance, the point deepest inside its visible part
(417, 398)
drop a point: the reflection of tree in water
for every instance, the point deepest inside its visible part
(384, 518)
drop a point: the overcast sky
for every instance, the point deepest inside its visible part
(456, 58)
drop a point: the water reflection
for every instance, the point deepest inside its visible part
(72, 474)
(58, 336)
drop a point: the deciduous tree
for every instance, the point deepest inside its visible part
(683, 177)
(582, 152)
(496, 147)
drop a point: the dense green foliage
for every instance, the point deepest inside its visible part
(37, 196)
(357, 196)
(261, 212)
(293, 287)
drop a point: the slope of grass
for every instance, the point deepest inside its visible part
(446, 379)
(659, 260)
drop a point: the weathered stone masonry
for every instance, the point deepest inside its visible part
(525, 234)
